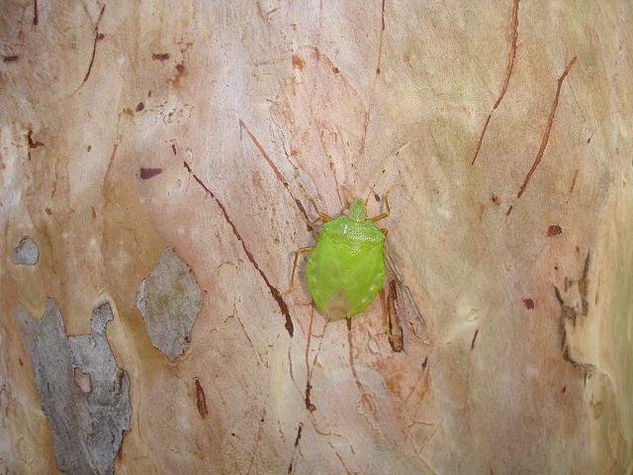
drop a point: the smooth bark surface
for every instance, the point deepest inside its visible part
(501, 132)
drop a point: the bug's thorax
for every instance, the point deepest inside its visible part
(348, 231)
(357, 211)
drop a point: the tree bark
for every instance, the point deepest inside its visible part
(158, 164)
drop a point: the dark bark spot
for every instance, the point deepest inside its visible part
(472, 343)
(201, 400)
(147, 173)
(554, 230)
(297, 62)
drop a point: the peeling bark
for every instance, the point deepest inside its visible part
(83, 392)
(169, 300)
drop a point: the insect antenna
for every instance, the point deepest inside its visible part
(372, 189)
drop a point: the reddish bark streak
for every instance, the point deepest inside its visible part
(383, 15)
(351, 355)
(548, 129)
(514, 35)
(273, 290)
(33, 143)
(373, 82)
(201, 400)
(472, 343)
(396, 339)
(512, 52)
(583, 285)
(573, 181)
(276, 171)
(294, 453)
(94, 48)
(481, 138)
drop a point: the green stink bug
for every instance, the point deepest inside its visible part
(346, 268)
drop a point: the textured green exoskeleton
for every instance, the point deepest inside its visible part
(346, 269)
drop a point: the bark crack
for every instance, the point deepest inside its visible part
(573, 181)
(347, 471)
(257, 441)
(351, 357)
(512, 52)
(546, 133)
(374, 80)
(571, 313)
(98, 36)
(472, 343)
(396, 338)
(250, 341)
(296, 445)
(201, 399)
(283, 307)
(275, 170)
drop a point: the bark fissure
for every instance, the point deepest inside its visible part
(512, 51)
(98, 36)
(396, 337)
(296, 446)
(372, 93)
(472, 343)
(546, 133)
(275, 170)
(283, 307)
(201, 399)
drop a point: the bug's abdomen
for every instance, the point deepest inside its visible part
(343, 280)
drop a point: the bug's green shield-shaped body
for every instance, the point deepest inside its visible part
(346, 269)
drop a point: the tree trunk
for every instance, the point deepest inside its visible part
(158, 163)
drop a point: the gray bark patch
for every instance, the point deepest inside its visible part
(169, 300)
(26, 253)
(88, 421)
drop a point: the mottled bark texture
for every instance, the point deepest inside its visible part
(501, 132)
(169, 300)
(84, 394)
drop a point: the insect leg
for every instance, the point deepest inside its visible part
(301, 250)
(385, 231)
(382, 215)
(322, 216)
